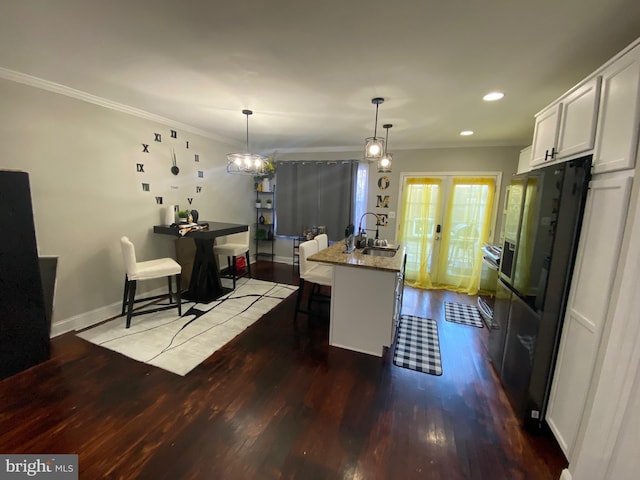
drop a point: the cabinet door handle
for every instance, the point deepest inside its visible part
(548, 156)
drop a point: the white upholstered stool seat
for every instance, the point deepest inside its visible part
(234, 246)
(322, 241)
(161, 267)
(317, 274)
(320, 274)
(147, 270)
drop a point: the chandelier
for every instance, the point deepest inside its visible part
(384, 163)
(246, 163)
(374, 146)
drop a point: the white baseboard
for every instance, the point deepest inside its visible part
(565, 475)
(87, 319)
(287, 260)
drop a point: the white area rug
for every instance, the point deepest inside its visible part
(179, 344)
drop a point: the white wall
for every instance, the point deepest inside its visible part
(86, 192)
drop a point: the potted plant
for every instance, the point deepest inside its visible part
(183, 215)
(268, 203)
(263, 180)
(258, 203)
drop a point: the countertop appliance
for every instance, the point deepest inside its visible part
(542, 226)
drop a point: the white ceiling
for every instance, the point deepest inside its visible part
(309, 69)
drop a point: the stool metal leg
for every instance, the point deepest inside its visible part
(178, 295)
(125, 294)
(132, 294)
(248, 263)
(234, 274)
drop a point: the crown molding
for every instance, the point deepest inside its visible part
(49, 86)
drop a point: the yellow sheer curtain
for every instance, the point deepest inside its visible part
(467, 226)
(420, 211)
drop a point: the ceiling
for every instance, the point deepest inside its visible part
(309, 70)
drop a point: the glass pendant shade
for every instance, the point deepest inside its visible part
(374, 146)
(246, 163)
(384, 162)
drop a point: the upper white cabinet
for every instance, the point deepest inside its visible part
(524, 160)
(545, 135)
(579, 116)
(567, 128)
(619, 115)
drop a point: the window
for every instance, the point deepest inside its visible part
(316, 193)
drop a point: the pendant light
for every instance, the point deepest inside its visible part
(384, 163)
(246, 163)
(374, 146)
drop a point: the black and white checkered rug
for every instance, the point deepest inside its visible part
(417, 346)
(462, 313)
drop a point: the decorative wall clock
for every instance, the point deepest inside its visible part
(153, 172)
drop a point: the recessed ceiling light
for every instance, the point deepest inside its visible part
(493, 96)
(465, 133)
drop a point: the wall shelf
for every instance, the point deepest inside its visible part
(264, 230)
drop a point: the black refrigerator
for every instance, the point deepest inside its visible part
(544, 212)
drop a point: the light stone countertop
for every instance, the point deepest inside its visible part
(335, 255)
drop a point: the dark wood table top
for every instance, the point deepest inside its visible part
(216, 229)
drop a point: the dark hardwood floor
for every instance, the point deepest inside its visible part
(275, 404)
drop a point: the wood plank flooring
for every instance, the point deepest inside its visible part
(278, 402)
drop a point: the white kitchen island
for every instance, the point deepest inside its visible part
(366, 298)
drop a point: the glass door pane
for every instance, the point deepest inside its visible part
(465, 230)
(420, 217)
(444, 239)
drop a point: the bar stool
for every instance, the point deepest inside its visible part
(234, 246)
(161, 267)
(311, 272)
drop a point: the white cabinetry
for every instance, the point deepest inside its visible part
(363, 306)
(567, 128)
(545, 135)
(524, 160)
(578, 119)
(591, 286)
(619, 115)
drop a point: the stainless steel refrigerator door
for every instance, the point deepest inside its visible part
(500, 321)
(519, 352)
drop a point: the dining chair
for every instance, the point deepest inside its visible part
(148, 270)
(314, 273)
(234, 246)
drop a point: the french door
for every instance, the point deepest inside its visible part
(444, 222)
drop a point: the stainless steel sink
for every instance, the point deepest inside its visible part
(380, 251)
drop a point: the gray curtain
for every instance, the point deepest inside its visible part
(315, 193)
